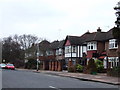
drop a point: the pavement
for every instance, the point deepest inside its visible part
(100, 77)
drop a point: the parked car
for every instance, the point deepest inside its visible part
(10, 66)
(2, 65)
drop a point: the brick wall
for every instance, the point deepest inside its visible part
(100, 47)
(59, 65)
(110, 52)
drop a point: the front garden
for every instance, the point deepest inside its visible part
(94, 67)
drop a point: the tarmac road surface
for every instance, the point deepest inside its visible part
(29, 79)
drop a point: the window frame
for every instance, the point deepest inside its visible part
(67, 49)
(74, 49)
(91, 46)
(113, 43)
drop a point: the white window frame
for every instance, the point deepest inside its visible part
(57, 51)
(114, 61)
(91, 46)
(67, 49)
(74, 49)
(60, 51)
(112, 44)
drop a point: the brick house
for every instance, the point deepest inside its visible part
(75, 49)
(53, 64)
(43, 56)
(112, 48)
(95, 44)
(103, 46)
(60, 56)
(51, 55)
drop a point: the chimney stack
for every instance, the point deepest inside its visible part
(98, 30)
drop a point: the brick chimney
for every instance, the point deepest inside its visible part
(98, 30)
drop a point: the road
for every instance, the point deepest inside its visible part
(29, 79)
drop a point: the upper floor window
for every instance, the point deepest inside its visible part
(92, 46)
(60, 51)
(57, 52)
(74, 49)
(49, 53)
(113, 44)
(67, 49)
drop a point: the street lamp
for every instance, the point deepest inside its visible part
(37, 55)
(37, 64)
(3, 61)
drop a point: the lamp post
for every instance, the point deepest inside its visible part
(37, 56)
(4, 61)
(37, 64)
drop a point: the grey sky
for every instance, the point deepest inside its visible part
(54, 19)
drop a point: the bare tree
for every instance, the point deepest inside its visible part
(27, 41)
(11, 50)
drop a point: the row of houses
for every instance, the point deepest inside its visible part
(58, 55)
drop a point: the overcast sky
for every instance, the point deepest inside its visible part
(54, 19)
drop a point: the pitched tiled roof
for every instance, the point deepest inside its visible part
(95, 36)
(74, 40)
(54, 44)
(44, 42)
(109, 34)
(61, 43)
(44, 45)
(87, 37)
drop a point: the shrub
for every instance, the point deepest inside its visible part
(91, 67)
(79, 68)
(100, 67)
(115, 72)
(71, 69)
(31, 64)
(99, 62)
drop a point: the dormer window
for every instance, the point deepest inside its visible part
(91, 46)
(113, 44)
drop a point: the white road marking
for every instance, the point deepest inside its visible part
(52, 76)
(54, 87)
